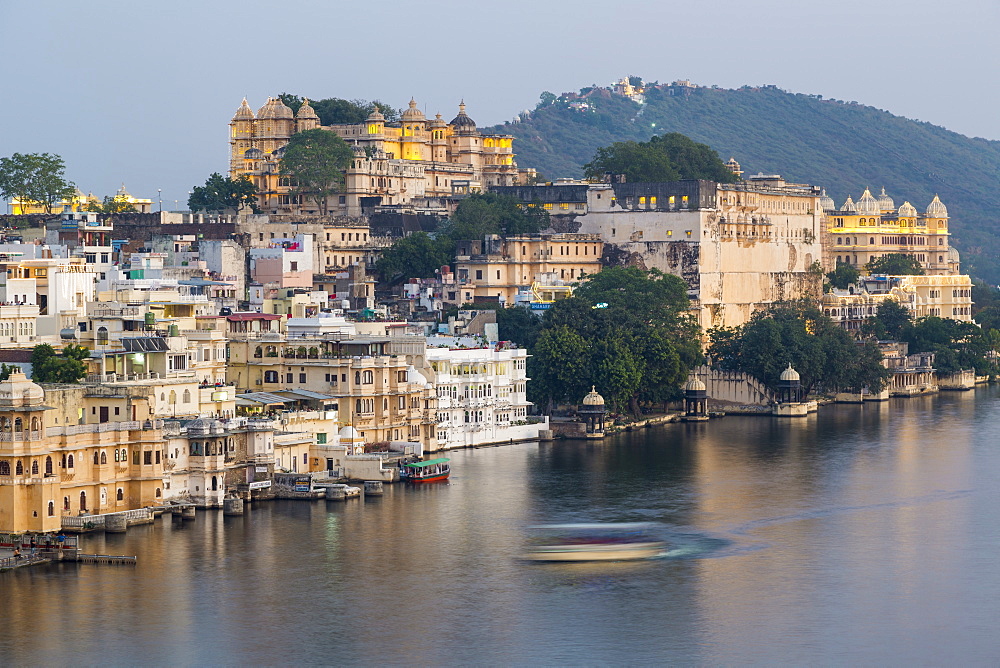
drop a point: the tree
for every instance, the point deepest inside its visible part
(220, 193)
(895, 264)
(5, 370)
(799, 334)
(47, 366)
(335, 111)
(559, 366)
(35, 178)
(844, 275)
(489, 213)
(116, 204)
(669, 157)
(894, 317)
(316, 160)
(519, 325)
(415, 256)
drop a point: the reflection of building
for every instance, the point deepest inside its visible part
(942, 296)
(394, 163)
(872, 227)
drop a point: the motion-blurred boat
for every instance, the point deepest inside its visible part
(594, 542)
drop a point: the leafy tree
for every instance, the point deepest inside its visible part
(844, 275)
(336, 111)
(489, 213)
(415, 256)
(37, 178)
(560, 366)
(316, 160)
(895, 264)
(894, 317)
(799, 334)
(956, 345)
(220, 193)
(116, 204)
(669, 157)
(519, 325)
(545, 99)
(5, 370)
(51, 367)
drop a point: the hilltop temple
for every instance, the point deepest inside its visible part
(413, 161)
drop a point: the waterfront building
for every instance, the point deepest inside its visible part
(395, 163)
(944, 296)
(57, 459)
(738, 246)
(872, 227)
(498, 268)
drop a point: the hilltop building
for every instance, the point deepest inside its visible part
(395, 163)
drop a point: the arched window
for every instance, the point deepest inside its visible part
(186, 397)
(18, 424)
(120, 495)
(66, 503)
(102, 335)
(357, 406)
(52, 508)
(48, 466)
(215, 483)
(104, 457)
(34, 467)
(173, 397)
(69, 462)
(97, 459)
(357, 377)
(34, 424)
(158, 493)
(369, 378)
(258, 352)
(19, 468)
(4, 467)
(124, 455)
(83, 500)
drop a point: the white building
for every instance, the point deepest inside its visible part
(481, 396)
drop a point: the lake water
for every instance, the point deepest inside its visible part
(862, 535)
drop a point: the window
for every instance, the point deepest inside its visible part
(479, 274)
(4, 468)
(270, 376)
(52, 508)
(294, 266)
(120, 496)
(147, 457)
(321, 438)
(302, 378)
(289, 377)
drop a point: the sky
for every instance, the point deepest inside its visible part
(141, 93)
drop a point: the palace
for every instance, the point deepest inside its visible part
(861, 231)
(415, 160)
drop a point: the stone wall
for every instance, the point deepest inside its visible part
(733, 386)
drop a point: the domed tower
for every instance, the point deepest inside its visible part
(734, 167)
(936, 217)
(592, 411)
(695, 400)
(306, 118)
(867, 205)
(241, 135)
(26, 459)
(414, 134)
(789, 386)
(849, 206)
(907, 214)
(439, 139)
(885, 203)
(376, 122)
(468, 146)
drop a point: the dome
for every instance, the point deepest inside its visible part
(282, 111)
(253, 154)
(462, 121)
(415, 377)
(936, 209)
(868, 205)
(413, 114)
(17, 390)
(907, 210)
(244, 113)
(267, 111)
(437, 121)
(885, 202)
(826, 202)
(376, 115)
(694, 385)
(593, 398)
(790, 374)
(306, 111)
(849, 205)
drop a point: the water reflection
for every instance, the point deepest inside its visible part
(865, 533)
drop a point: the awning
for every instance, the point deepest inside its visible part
(429, 462)
(304, 394)
(263, 398)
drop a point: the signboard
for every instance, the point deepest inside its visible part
(263, 484)
(261, 469)
(302, 484)
(220, 395)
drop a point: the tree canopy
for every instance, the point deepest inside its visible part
(220, 193)
(48, 366)
(798, 333)
(669, 157)
(844, 275)
(624, 330)
(489, 213)
(35, 178)
(336, 111)
(112, 204)
(415, 256)
(895, 264)
(316, 160)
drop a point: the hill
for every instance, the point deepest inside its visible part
(841, 146)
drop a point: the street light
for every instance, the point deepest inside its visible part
(159, 200)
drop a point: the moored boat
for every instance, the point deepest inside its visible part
(594, 542)
(431, 470)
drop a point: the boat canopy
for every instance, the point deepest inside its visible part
(429, 462)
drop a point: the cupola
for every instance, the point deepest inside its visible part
(826, 202)
(936, 209)
(885, 202)
(868, 205)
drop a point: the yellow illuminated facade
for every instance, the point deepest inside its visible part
(415, 159)
(858, 232)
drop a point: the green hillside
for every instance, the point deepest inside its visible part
(840, 146)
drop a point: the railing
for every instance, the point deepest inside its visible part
(95, 521)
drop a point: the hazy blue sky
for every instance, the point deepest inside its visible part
(141, 93)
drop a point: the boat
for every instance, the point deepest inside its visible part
(431, 470)
(594, 542)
